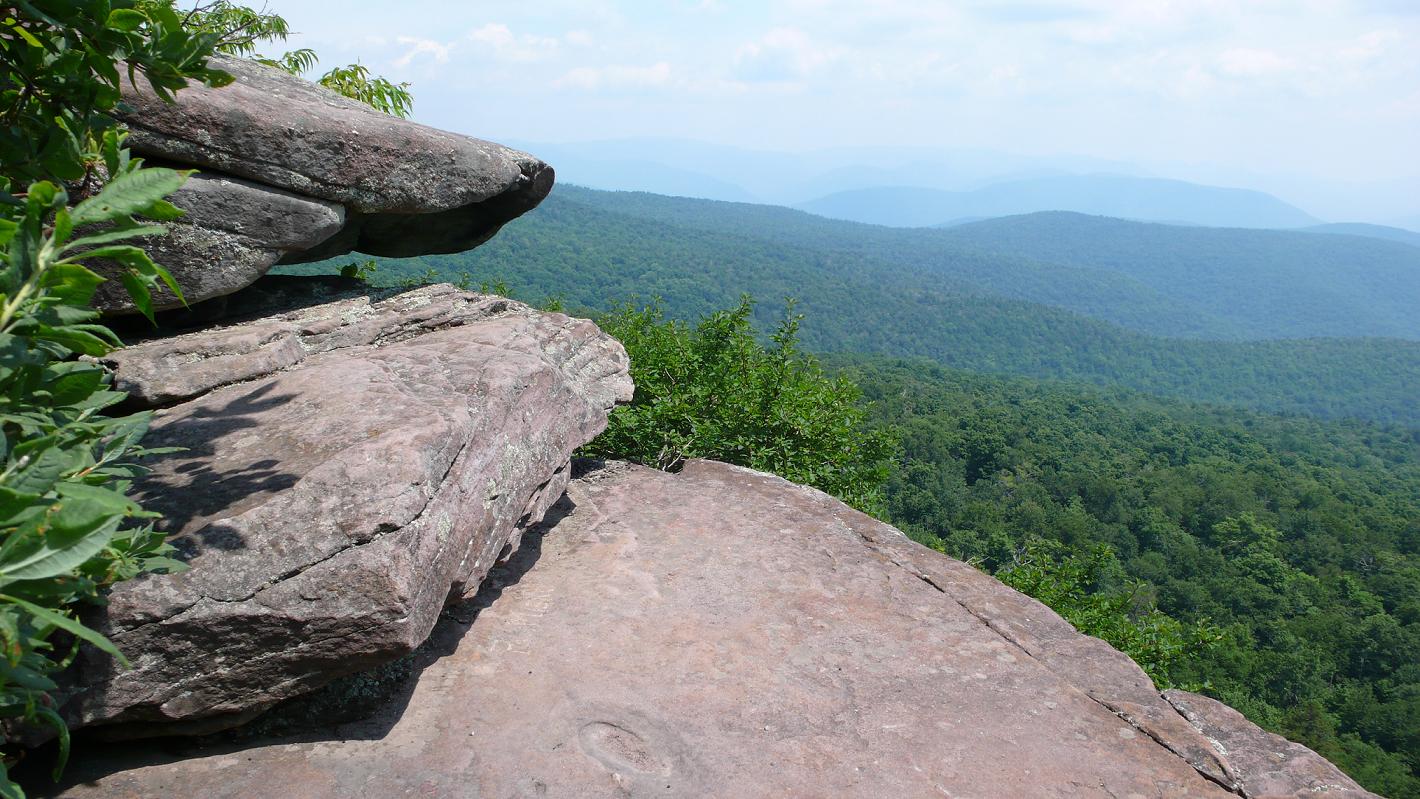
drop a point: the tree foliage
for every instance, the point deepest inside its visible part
(1088, 588)
(62, 64)
(1273, 562)
(242, 30)
(869, 290)
(67, 527)
(715, 391)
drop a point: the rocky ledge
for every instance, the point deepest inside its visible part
(722, 632)
(291, 172)
(345, 470)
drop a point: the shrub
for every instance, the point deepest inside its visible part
(67, 528)
(715, 391)
(1082, 585)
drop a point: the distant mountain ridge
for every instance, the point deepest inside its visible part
(1369, 231)
(1126, 197)
(1169, 280)
(931, 293)
(1273, 283)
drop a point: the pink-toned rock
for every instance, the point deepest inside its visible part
(724, 633)
(1268, 764)
(346, 469)
(408, 189)
(291, 172)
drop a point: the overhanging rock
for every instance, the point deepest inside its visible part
(401, 189)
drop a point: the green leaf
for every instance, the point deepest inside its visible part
(76, 382)
(67, 624)
(26, 35)
(8, 789)
(164, 211)
(76, 338)
(62, 541)
(130, 193)
(42, 472)
(126, 19)
(61, 731)
(138, 290)
(108, 236)
(105, 497)
(71, 283)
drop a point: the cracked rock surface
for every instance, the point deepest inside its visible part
(347, 469)
(722, 632)
(279, 155)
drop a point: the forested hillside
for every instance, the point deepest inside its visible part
(1112, 195)
(1275, 283)
(871, 290)
(1292, 544)
(1168, 280)
(1385, 232)
(1299, 539)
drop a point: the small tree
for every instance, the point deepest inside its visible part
(243, 29)
(714, 391)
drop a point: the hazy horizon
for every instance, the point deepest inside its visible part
(1311, 100)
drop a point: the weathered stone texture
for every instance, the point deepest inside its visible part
(291, 172)
(346, 469)
(724, 633)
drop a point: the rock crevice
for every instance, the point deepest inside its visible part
(722, 632)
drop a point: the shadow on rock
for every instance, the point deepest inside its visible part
(193, 488)
(362, 706)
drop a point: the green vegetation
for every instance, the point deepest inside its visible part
(1087, 586)
(1269, 561)
(714, 391)
(1267, 283)
(1163, 280)
(67, 528)
(1298, 539)
(1273, 562)
(70, 194)
(594, 249)
(241, 30)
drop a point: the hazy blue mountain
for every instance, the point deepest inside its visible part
(919, 292)
(1369, 231)
(1192, 282)
(614, 170)
(1411, 223)
(786, 178)
(1152, 199)
(1272, 282)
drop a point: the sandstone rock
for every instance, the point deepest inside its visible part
(374, 460)
(1268, 764)
(276, 219)
(292, 173)
(722, 632)
(234, 231)
(292, 134)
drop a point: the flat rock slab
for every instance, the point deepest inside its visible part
(345, 470)
(723, 633)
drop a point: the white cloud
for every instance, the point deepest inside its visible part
(499, 41)
(1250, 63)
(782, 54)
(616, 76)
(1368, 46)
(417, 47)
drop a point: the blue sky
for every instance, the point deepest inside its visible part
(1314, 88)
